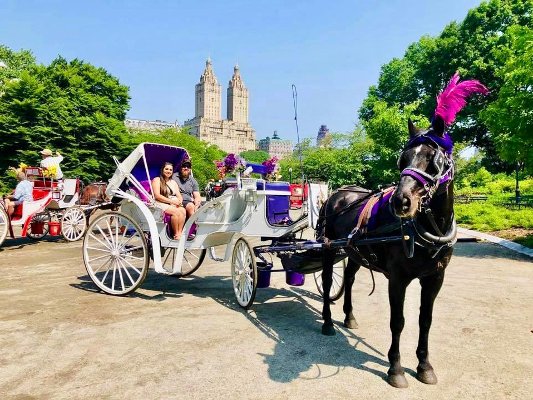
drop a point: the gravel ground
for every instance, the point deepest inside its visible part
(187, 338)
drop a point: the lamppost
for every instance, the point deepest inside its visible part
(290, 175)
(517, 188)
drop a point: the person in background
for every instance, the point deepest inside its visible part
(23, 192)
(49, 161)
(189, 189)
(168, 198)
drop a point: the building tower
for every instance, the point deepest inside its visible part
(322, 133)
(233, 135)
(237, 98)
(208, 99)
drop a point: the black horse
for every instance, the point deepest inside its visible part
(419, 213)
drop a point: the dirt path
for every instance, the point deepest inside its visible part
(187, 339)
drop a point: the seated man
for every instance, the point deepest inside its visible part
(188, 188)
(23, 192)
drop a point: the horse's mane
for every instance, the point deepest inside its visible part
(453, 98)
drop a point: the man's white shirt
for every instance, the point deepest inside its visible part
(50, 161)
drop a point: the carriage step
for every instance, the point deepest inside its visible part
(212, 254)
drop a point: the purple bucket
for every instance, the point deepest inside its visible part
(294, 278)
(263, 278)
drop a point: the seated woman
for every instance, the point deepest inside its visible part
(168, 198)
(23, 192)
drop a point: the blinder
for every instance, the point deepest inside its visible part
(440, 162)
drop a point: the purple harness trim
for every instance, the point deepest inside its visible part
(421, 179)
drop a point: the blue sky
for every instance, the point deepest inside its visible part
(331, 50)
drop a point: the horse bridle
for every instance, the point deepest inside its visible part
(442, 162)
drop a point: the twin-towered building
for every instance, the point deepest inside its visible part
(234, 134)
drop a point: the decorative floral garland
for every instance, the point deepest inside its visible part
(234, 164)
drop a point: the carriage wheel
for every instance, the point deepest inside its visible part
(337, 285)
(115, 253)
(38, 227)
(244, 273)
(73, 224)
(4, 225)
(191, 261)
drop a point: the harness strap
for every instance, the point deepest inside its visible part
(366, 212)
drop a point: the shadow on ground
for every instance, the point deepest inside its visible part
(283, 315)
(482, 250)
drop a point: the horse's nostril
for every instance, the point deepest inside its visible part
(406, 203)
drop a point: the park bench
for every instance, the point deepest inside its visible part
(464, 199)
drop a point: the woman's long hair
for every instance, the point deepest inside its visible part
(163, 189)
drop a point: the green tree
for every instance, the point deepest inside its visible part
(255, 156)
(343, 162)
(510, 117)
(12, 63)
(467, 47)
(72, 107)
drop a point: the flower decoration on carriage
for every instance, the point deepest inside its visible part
(50, 172)
(272, 169)
(231, 163)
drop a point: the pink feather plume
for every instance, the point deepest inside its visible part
(452, 99)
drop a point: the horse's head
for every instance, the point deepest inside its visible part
(426, 160)
(425, 163)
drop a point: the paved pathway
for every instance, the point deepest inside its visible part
(187, 339)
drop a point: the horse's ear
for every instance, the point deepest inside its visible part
(438, 125)
(413, 130)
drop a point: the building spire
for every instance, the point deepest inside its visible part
(208, 76)
(236, 80)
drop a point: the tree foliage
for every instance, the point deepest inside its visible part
(255, 156)
(344, 162)
(510, 117)
(469, 47)
(72, 107)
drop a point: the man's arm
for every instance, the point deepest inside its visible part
(196, 194)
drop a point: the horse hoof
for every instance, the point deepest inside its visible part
(426, 376)
(351, 323)
(328, 330)
(398, 381)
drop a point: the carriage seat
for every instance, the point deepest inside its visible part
(278, 205)
(146, 186)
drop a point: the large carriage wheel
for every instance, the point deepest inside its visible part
(191, 261)
(4, 225)
(73, 224)
(244, 273)
(337, 285)
(115, 253)
(38, 226)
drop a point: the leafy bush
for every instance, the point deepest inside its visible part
(490, 217)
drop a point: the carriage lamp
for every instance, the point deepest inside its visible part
(251, 196)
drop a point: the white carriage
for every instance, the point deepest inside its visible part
(44, 214)
(119, 244)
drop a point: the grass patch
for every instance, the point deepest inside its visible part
(515, 225)
(487, 217)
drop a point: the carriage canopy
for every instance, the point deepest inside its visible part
(145, 162)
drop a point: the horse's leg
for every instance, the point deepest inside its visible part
(397, 286)
(349, 278)
(430, 288)
(327, 278)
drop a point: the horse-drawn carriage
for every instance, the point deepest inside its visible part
(45, 213)
(406, 232)
(118, 246)
(59, 207)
